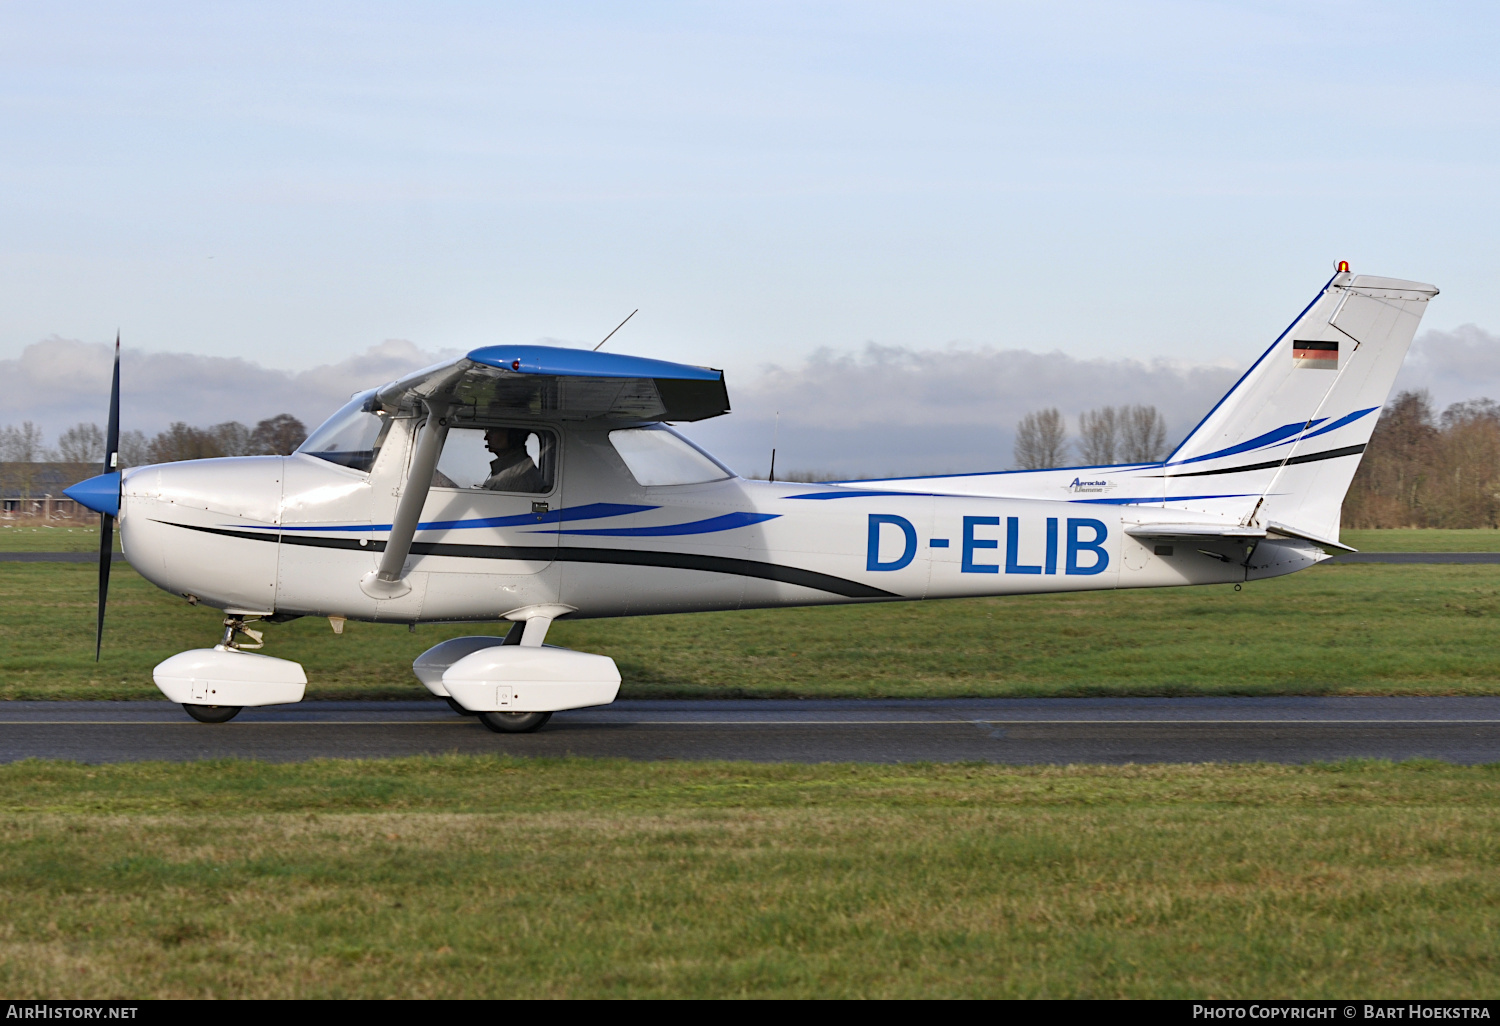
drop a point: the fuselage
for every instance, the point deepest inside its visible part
(295, 535)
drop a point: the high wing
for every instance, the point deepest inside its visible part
(498, 383)
(546, 383)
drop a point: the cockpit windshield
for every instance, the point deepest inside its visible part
(352, 436)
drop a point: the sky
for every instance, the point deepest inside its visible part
(831, 201)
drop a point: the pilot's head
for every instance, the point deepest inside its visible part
(498, 440)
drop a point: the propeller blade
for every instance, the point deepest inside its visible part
(106, 521)
(112, 433)
(106, 560)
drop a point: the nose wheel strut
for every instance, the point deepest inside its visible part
(235, 628)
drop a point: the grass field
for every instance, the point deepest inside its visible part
(482, 877)
(1423, 540)
(27, 536)
(1352, 629)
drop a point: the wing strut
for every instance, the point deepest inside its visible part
(385, 582)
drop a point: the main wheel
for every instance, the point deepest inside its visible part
(513, 723)
(212, 713)
(453, 704)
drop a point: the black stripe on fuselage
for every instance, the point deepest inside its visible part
(1312, 457)
(548, 553)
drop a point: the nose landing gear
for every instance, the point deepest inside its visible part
(213, 684)
(234, 627)
(512, 723)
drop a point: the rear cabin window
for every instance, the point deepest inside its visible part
(352, 436)
(660, 456)
(498, 459)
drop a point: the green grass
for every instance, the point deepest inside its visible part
(491, 877)
(1351, 629)
(31, 536)
(1423, 540)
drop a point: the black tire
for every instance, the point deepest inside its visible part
(514, 723)
(458, 708)
(212, 713)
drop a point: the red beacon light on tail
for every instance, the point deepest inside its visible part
(1343, 267)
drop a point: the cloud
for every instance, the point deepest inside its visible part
(1454, 365)
(59, 382)
(880, 411)
(889, 411)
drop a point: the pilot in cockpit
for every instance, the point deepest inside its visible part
(512, 469)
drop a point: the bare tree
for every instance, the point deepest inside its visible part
(279, 435)
(1424, 471)
(1469, 411)
(1041, 440)
(233, 438)
(81, 443)
(1143, 435)
(1098, 432)
(22, 444)
(135, 451)
(183, 442)
(20, 451)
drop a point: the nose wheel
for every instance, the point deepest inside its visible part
(513, 723)
(212, 713)
(458, 708)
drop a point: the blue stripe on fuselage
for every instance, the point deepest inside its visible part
(727, 522)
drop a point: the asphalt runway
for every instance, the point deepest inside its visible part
(1093, 730)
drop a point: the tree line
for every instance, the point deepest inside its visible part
(1106, 436)
(23, 447)
(1423, 469)
(84, 443)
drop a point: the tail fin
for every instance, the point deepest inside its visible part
(1288, 436)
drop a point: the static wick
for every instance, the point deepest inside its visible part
(617, 328)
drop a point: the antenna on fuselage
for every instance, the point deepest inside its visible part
(611, 335)
(774, 430)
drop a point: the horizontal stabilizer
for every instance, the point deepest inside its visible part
(1194, 531)
(1234, 531)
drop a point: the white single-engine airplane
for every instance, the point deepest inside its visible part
(526, 483)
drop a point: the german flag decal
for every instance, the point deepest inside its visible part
(1316, 355)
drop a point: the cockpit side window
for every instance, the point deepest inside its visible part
(657, 455)
(498, 459)
(351, 437)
